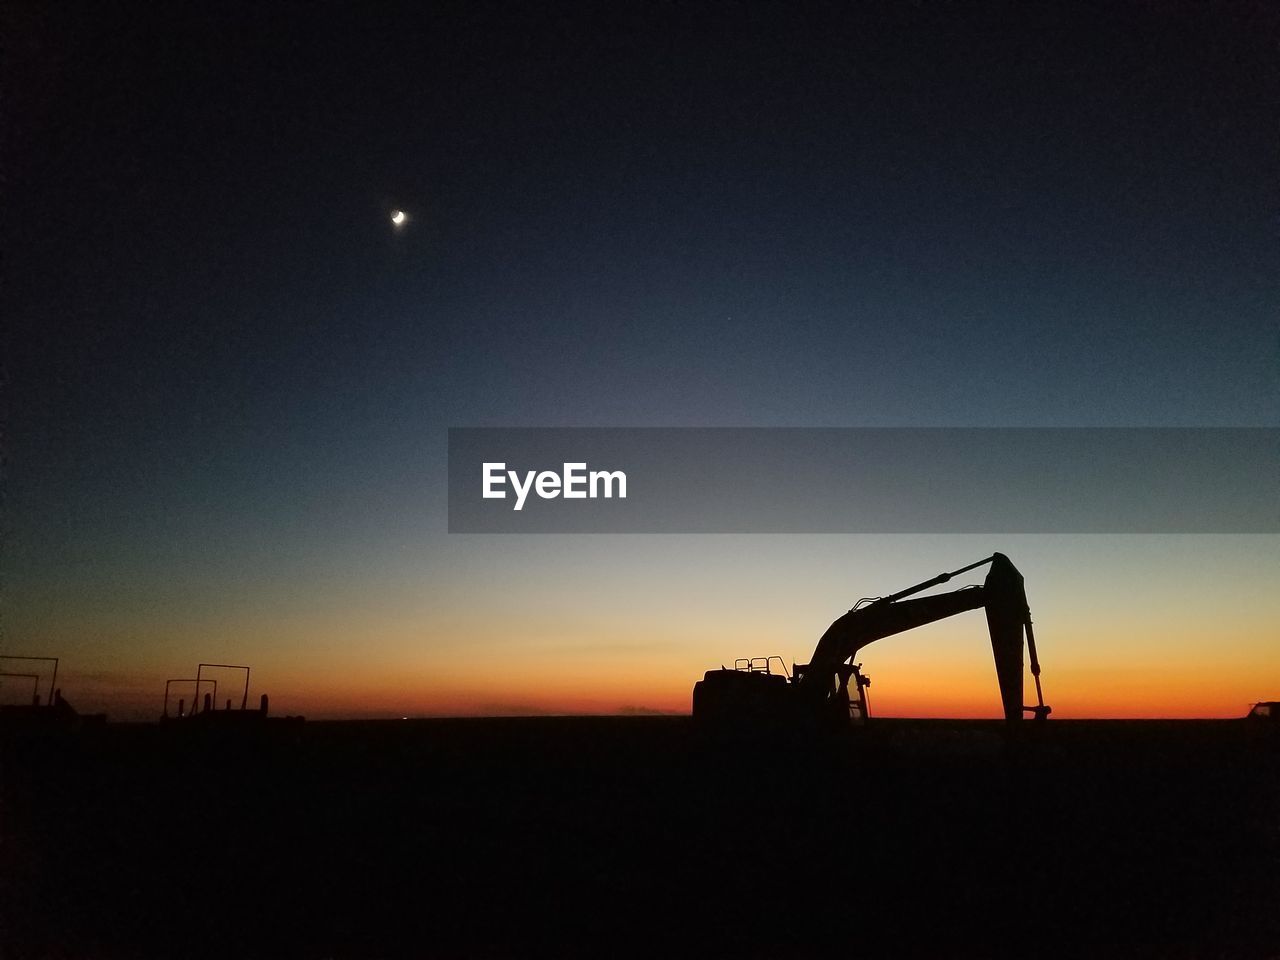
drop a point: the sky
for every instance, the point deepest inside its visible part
(228, 379)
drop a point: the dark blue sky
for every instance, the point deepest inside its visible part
(657, 214)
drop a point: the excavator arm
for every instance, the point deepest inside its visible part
(1003, 597)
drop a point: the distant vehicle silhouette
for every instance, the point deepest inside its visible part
(1264, 710)
(819, 691)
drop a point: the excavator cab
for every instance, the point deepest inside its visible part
(752, 694)
(847, 698)
(859, 709)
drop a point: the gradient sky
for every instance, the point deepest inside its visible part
(229, 381)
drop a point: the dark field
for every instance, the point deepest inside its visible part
(633, 836)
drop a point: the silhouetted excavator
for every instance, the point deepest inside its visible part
(819, 690)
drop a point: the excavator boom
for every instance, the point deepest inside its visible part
(824, 680)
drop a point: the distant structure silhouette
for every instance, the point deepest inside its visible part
(206, 716)
(41, 715)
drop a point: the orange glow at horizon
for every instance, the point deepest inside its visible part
(965, 691)
(1127, 627)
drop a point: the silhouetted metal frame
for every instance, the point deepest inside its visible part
(34, 677)
(244, 701)
(53, 680)
(196, 699)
